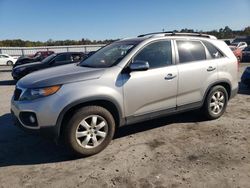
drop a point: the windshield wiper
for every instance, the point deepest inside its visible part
(86, 65)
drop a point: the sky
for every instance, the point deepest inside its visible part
(40, 20)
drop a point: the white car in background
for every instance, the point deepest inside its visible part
(240, 45)
(5, 59)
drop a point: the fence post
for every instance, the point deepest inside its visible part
(22, 52)
(0, 50)
(85, 49)
(67, 49)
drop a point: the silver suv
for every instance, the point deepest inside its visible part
(126, 82)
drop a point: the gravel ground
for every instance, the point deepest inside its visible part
(176, 151)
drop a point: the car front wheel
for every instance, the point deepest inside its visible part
(90, 130)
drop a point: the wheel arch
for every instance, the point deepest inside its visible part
(225, 83)
(112, 106)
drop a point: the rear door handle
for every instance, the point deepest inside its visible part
(170, 76)
(210, 68)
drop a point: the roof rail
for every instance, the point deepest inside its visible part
(154, 33)
(172, 33)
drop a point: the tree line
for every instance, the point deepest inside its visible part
(222, 33)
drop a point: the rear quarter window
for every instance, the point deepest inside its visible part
(213, 51)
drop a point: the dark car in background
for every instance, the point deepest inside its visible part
(38, 56)
(53, 60)
(245, 78)
(246, 54)
(245, 39)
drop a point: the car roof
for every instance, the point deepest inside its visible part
(68, 53)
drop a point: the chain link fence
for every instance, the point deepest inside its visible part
(21, 51)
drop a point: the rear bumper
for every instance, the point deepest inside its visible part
(234, 92)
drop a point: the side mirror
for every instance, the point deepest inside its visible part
(139, 65)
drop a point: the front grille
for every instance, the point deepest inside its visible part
(17, 94)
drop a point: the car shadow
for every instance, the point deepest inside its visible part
(188, 117)
(21, 148)
(7, 82)
(243, 89)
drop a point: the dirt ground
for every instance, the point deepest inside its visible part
(176, 151)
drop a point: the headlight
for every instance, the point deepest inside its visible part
(31, 94)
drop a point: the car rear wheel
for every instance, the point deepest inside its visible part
(216, 102)
(90, 130)
(9, 63)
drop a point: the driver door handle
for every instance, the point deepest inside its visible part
(210, 68)
(169, 76)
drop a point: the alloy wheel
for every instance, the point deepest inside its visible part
(91, 131)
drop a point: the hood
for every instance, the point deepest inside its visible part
(59, 75)
(28, 65)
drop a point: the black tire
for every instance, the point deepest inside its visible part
(9, 63)
(207, 109)
(73, 127)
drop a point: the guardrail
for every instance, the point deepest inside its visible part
(19, 51)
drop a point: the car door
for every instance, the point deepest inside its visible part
(196, 69)
(154, 89)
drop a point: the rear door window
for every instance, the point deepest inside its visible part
(190, 51)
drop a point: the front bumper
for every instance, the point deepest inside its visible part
(15, 76)
(46, 125)
(48, 132)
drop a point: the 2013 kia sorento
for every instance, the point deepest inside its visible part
(128, 81)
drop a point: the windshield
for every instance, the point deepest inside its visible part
(49, 58)
(109, 55)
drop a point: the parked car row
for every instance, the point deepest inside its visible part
(53, 60)
(240, 47)
(241, 55)
(38, 56)
(8, 60)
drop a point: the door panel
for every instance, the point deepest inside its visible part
(194, 79)
(196, 72)
(155, 89)
(149, 91)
